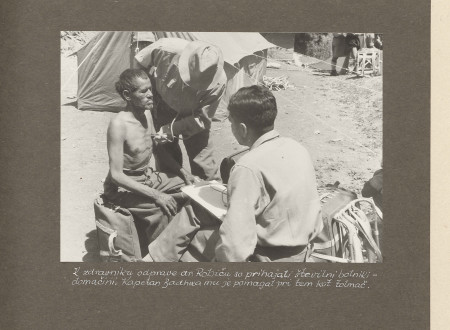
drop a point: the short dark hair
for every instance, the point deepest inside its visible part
(127, 80)
(254, 106)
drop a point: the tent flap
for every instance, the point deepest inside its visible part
(99, 72)
(234, 45)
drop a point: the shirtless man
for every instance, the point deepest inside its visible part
(152, 197)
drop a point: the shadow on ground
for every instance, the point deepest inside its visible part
(71, 103)
(91, 246)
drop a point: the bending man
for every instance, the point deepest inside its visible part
(188, 82)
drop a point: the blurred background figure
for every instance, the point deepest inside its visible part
(352, 44)
(378, 42)
(338, 49)
(345, 44)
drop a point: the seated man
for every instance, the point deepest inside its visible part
(151, 197)
(273, 205)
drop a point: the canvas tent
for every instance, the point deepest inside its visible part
(105, 56)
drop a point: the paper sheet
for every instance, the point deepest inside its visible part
(211, 195)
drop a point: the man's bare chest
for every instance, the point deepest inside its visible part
(138, 139)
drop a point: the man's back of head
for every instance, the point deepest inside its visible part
(252, 111)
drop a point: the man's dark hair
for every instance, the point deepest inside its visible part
(127, 80)
(254, 106)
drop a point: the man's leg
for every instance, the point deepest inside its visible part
(172, 148)
(344, 69)
(334, 49)
(338, 49)
(333, 66)
(165, 182)
(149, 219)
(162, 115)
(352, 60)
(200, 150)
(351, 42)
(154, 221)
(176, 238)
(203, 245)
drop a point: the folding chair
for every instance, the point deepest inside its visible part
(367, 61)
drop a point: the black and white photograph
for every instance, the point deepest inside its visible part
(221, 147)
(220, 164)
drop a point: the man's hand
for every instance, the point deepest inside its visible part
(164, 135)
(167, 204)
(188, 177)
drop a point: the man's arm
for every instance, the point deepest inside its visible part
(238, 236)
(144, 57)
(115, 141)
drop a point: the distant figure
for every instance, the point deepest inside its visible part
(378, 42)
(188, 82)
(338, 49)
(353, 44)
(344, 44)
(369, 40)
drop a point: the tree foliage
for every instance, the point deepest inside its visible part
(317, 45)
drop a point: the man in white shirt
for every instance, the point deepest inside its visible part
(273, 205)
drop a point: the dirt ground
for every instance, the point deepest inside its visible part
(338, 119)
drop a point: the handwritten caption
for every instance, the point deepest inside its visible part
(223, 278)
